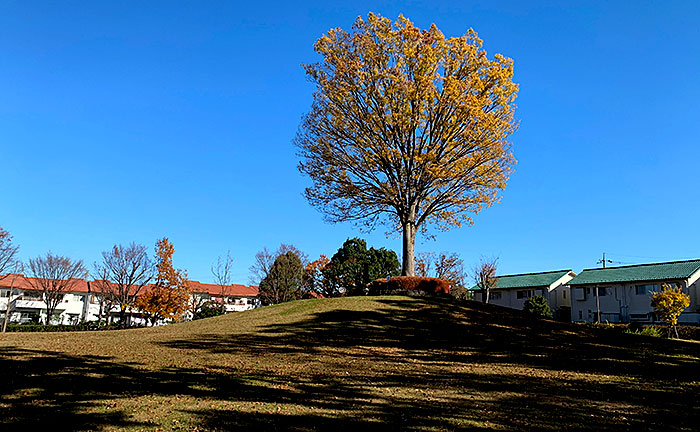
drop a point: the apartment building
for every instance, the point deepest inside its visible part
(83, 301)
(512, 291)
(623, 294)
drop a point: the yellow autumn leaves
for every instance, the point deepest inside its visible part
(407, 123)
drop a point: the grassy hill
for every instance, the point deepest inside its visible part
(379, 363)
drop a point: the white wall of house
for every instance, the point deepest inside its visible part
(557, 294)
(513, 298)
(76, 307)
(629, 301)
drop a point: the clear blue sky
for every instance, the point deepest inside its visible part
(129, 121)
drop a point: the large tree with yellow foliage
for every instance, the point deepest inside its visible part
(407, 127)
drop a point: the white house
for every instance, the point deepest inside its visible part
(235, 298)
(623, 293)
(27, 304)
(82, 301)
(512, 291)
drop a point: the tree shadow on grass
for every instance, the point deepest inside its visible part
(592, 378)
(410, 365)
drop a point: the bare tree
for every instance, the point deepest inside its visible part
(424, 263)
(284, 248)
(8, 252)
(485, 277)
(450, 267)
(105, 303)
(221, 270)
(121, 275)
(16, 269)
(261, 268)
(264, 260)
(54, 276)
(446, 266)
(8, 261)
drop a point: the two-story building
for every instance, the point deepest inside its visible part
(27, 304)
(623, 294)
(235, 298)
(512, 291)
(82, 301)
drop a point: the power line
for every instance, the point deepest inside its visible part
(606, 261)
(666, 258)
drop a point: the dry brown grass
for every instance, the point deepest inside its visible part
(376, 363)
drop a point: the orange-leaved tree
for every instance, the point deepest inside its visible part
(169, 296)
(314, 279)
(668, 304)
(407, 127)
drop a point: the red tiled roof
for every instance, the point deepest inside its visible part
(81, 285)
(26, 283)
(98, 285)
(230, 290)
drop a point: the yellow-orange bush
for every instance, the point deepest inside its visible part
(668, 304)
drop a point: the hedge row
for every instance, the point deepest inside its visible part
(43, 328)
(409, 285)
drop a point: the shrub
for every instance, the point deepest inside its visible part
(669, 304)
(411, 285)
(645, 331)
(208, 310)
(461, 293)
(689, 332)
(538, 306)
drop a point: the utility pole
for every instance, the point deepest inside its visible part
(603, 261)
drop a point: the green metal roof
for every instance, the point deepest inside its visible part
(638, 273)
(528, 280)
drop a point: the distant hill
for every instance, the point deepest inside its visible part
(362, 363)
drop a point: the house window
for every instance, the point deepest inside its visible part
(644, 289)
(524, 294)
(602, 291)
(32, 295)
(5, 293)
(495, 296)
(580, 314)
(563, 293)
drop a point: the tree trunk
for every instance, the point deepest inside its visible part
(49, 312)
(7, 310)
(408, 267)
